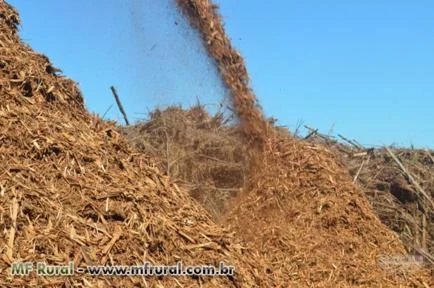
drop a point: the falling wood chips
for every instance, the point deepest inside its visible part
(72, 158)
(58, 167)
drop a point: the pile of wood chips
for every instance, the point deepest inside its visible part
(300, 210)
(399, 183)
(72, 189)
(302, 213)
(199, 152)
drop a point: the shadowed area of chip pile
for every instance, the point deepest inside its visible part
(72, 189)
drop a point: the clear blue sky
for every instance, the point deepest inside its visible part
(363, 68)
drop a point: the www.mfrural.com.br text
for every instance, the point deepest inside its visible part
(146, 269)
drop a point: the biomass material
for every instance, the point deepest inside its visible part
(199, 152)
(203, 15)
(316, 228)
(394, 197)
(72, 189)
(300, 210)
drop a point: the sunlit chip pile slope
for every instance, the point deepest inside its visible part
(71, 189)
(300, 210)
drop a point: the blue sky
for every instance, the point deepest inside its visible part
(364, 69)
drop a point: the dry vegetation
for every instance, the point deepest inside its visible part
(199, 153)
(317, 228)
(293, 226)
(402, 198)
(72, 188)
